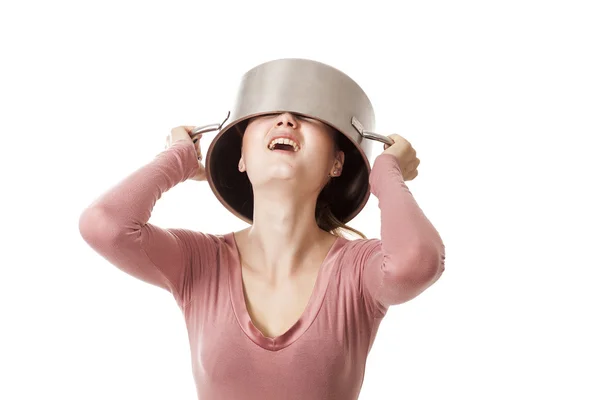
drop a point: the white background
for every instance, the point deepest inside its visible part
(500, 100)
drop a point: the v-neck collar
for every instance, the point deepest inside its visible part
(236, 294)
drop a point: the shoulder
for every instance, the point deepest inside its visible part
(192, 239)
(358, 251)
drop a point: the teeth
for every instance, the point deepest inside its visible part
(283, 141)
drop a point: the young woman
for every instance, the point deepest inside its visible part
(287, 308)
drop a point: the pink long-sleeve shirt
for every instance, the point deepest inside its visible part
(323, 355)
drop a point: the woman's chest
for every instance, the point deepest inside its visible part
(274, 311)
(225, 348)
(223, 354)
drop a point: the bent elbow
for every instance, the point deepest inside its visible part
(407, 277)
(97, 227)
(422, 267)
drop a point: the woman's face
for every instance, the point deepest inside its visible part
(308, 167)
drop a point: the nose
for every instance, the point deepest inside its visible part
(286, 119)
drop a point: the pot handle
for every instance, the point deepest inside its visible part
(370, 135)
(198, 131)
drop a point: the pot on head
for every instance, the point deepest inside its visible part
(304, 87)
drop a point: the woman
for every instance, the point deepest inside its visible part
(283, 309)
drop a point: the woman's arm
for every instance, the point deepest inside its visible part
(410, 255)
(116, 224)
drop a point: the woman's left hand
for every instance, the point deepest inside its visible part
(405, 154)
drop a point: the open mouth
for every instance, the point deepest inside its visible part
(284, 145)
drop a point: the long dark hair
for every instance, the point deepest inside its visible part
(323, 214)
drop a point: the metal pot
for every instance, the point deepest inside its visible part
(307, 88)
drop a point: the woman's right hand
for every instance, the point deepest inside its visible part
(184, 133)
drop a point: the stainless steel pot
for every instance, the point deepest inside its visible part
(307, 88)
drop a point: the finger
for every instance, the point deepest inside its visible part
(395, 138)
(197, 147)
(188, 128)
(411, 175)
(413, 165)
